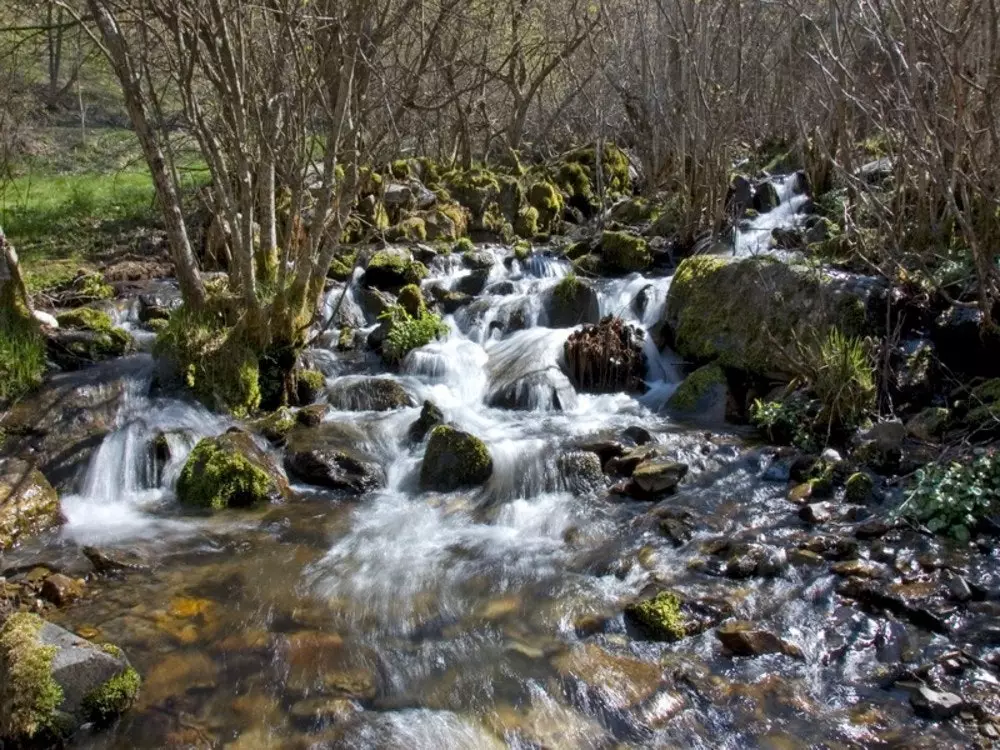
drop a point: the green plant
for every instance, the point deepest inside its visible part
(789, 421)
(22, 356)
(842, 380)
(953, 498)
(408, 332)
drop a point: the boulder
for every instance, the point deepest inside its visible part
(669, 616)
(935, 704)
(450, 301)
(929, 424)
(623, 253)
(472, 283)
(606, 357)
(750, 313)
(659, 476)
(454, 459)
(430, 417)
(741, 638)
(61, 589)
(370, 394)
(113, 561)
(28, 503)
(391, 269)
(374, 302)
(765, 197)
(754, 559)
(581, 472)
(86, 335)
(230, 471)
(52, 682)
(335, 469)
(571, 302)
(309, 384)
(704, 394)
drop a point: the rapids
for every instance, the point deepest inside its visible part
(489, 618)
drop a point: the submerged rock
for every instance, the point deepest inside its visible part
(28, 503)
(230, 471)
(52, 681)
(581, 472)
(430, 417)
(606, 358)
(370, 394)
(335, 470)
(743, 639)
(454, 459)
(659, 476)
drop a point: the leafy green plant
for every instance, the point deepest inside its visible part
(789, 421)
(953, 498)
(407, 332)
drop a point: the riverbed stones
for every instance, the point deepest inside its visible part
(658, 476)
(28, 503)
(741, 638)
(454, 459)
(85, 336)
(935, 704)
(370, 394)
(335, 469)
(61, 589)
(230, 471)
(52, 681)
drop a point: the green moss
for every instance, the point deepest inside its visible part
(495, 222)
(568, 288)
(400, 169)
(430, 173)
(464, 245)
(587, 265)
(633, 211)
(527, 222)
(276, 425)
(859, 488)
(92, 285)
(577, 250)
(310, 384)
(475, 189)
(695, 387)
(659, 617)
(624, 252)
(342, 266)
(410, 229)
(30, 696)
(218, 476)
(454, 459)
(574, 179)
(113, 698)
(455, 216)
(545, 198)
(411, 299)
(522, 250)
(85, 318)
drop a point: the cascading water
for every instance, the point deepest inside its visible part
(479, 618)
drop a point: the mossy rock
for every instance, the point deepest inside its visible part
(410, 229)
(526, 225)
(342, 266)
(52, 681)
(984, 408)
(659, 618)
(275, 426)
(573, 302)
(703, 392)
(85, 318)
(411, 299)
(633, 211)
(859, 488)
(753, 314)
(230, 471)
(454, 459)
(475, 190)
(447, 221)
(575, 174)
(86, 335)
(28, 503)
(309, 385)
(392, 269)
(545, 198)
(622, 252)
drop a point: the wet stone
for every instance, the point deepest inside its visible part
(749, 560)
(109, 561)
(935, 704)
(817, 513)
(741, 638)
(316, 713)
(62, 590)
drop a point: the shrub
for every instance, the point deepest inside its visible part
(953, 498)
(789, 421)
(407, 332)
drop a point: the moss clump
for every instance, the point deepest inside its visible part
(527, 222)
(85, 318)
(30, 694)
(454, 459)
(309, 384)
(522, 250)
(495, 222)
(217, 475)
(576, 175)
(568, 288)
(633, 211)
(276, 425)
(393, 269)
(411, 299)
(408, 332)
(660, 617)
(464, 245)
(92, 286)
(475, 189)
(114, 697)
(400, 169)
(696, 386)
(859, 488)
(342, 266)
(577, 250)
(545, 198)
(410, 229)
(452, 221)
(625, 253)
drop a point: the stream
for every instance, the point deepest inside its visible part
(485, 618)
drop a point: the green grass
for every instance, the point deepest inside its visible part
(22, 357)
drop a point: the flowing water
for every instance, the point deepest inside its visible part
(476, 619)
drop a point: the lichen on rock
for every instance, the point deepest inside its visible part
(30, 695)
(659, 617)
(229, 471)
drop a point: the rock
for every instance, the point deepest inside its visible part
(876, 172)
(739, 197)
(28, 503)
(85, 336)
(765, 197)
(543, 390)
(624, 463)
(753, 559)
(479, 260)
(315, 713)
(637, 435)
(859, 488)
(572, 302)
(871, 594)
(62, 590)
(748, 313)
(935, 704)
(391, 269)
(887, 436)
(930, 424)
(52, 682)
(430, 417)
(230, 471)
(659, 476)
(964, 345)
(816, 513)
(454, 459)
(703, 393)
(322, 663)
(274, 427)
(611, 681)
(606, 358)
(623, 253)
(605, 450)
(450, 301)
(370, 394)
(310, 384)
(157, 305)
(335, 470)
(659, 618)
(111, 561)
(45, 319)
(374, 302)
(472, 283)
(581, 472)
(311, 416)
(743, 639)
(958, 588)
(858, 569)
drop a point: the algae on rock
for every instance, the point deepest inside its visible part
(230, 471)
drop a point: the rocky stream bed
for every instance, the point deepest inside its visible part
(608, 576)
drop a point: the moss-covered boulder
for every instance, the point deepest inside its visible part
(447, 221)
(754, 314)
(454, 459)
(392, 269)
(86, 335)
(28, 503)
(633, 211)
(623, 252)
(430, 417)
(703, 393)
(52, 682)
(659, 618)
(571, 302)
(545, 198)
(410, 229)
(370, 394)
(309, 385)
(230, 471)
(576, 175)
